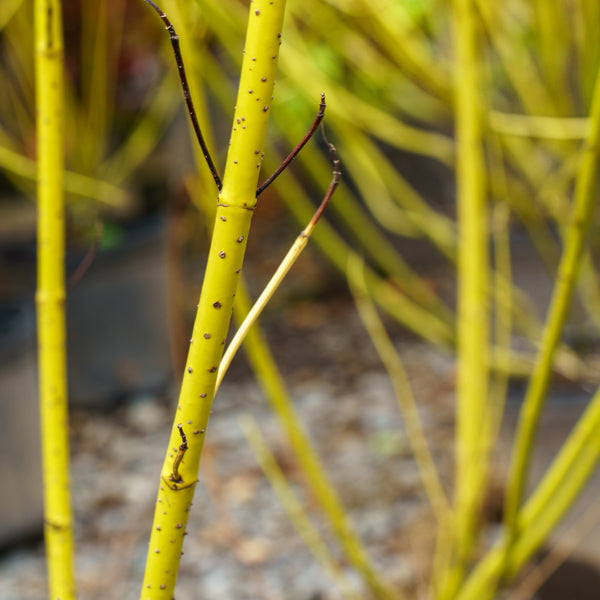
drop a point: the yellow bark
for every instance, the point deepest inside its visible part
(235, 206)
(50, 301)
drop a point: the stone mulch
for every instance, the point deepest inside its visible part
(241, 543)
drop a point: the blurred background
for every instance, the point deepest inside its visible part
(140, 204)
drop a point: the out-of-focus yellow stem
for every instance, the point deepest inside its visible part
(554, 128)
(402, 388)
(317, 479)
(473, 342)
(307, 531)
(473, 273)
(74, 183)
(561, 486)
(570, 262)
(50, 300)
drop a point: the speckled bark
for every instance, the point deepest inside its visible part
(236, 204)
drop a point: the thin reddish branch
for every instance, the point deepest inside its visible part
(297, 149)
(186, 92)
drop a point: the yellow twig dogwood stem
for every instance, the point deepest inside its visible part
(473, 269)
(51, 299)
(296, 513)
(235, 206)
(575, 237)
(282, 270)
(402, 388)
(267, 373)
(257, 308)
(317, 480)
(472, 324)
(549, 502)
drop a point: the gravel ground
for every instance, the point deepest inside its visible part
(241, 543)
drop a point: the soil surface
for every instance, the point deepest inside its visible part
(241, 544)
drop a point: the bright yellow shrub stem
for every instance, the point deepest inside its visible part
(318, 481)
(519, 64)
(236, 203)
(473, 323)
(386, 294)
(575, 235)
(560, 487)
(402, 388)
(298, 516)
(51, 300)
(253, 313)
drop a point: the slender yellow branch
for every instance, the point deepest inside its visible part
(404, 395)
(236, 204)
(575, 235)
(282, 270)
(307, 531)
(74, 183)
(257, 308)
(563, 482)
(316, 477)
(573, 128)
(50, 299)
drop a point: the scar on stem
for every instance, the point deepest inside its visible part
(175, 476)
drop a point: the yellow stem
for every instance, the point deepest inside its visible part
(402, 388)
(473, 342)
(74, 183)
(317, 479)
(561, 486)
(570, 262)
(266, 295)
(308, 532)
(535, 126)
(50, 299)
(236, 203)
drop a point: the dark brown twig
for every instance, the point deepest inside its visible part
(335, 180)
(297, 149)
(186, 92)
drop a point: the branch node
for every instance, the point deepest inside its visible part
(297, 149)
(335, 179)
(175, 476)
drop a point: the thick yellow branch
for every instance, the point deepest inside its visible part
(50, 300)
(236, 203)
